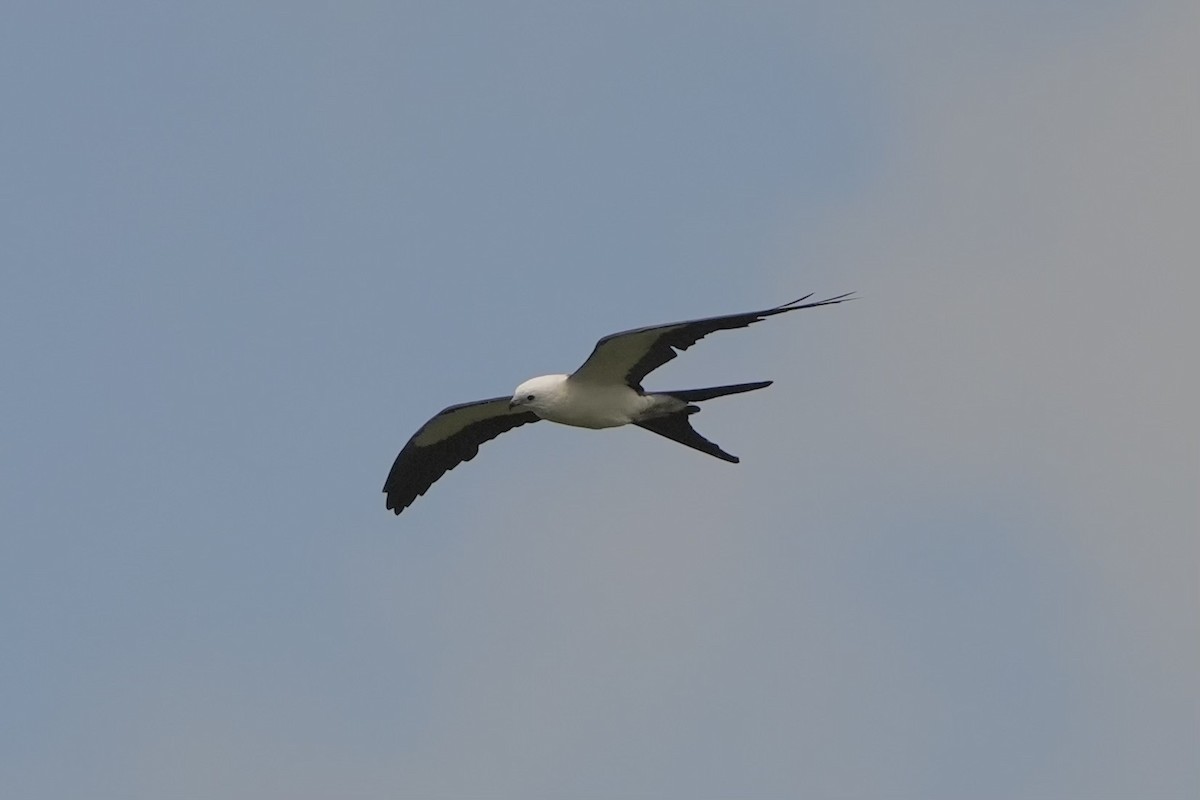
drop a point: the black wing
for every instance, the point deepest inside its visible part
(450, 438)
(629, 356)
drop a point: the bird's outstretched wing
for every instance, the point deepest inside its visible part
(450, 438)
(627, 357)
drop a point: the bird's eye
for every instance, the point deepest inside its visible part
(528, 397)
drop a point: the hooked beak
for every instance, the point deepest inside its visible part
(513, 404)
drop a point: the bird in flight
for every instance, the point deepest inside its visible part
(605, 392)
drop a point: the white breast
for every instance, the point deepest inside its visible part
(588, 405)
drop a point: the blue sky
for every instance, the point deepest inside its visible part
(249, 250)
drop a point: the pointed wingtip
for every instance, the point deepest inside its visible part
(790, 303)
(799, 303)
(840, 298)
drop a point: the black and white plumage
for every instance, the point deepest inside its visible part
(605, 392)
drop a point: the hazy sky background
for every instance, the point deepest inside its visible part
(249, 248)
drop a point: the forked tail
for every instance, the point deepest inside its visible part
(678, 428)
(694, 395)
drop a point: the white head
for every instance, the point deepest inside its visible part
(536, 393)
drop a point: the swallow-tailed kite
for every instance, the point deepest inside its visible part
(603, 393)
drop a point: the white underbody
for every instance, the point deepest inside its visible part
(585, 404)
